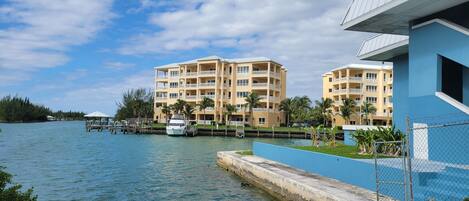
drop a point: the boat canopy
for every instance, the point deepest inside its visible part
(97, 115)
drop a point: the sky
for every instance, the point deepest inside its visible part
(82, 55)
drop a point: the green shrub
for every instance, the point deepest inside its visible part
(13, 191)
(365, 140)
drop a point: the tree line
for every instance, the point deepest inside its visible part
(18, 109)
(300, 110)
(136, 103)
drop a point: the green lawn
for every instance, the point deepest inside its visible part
(245, 152)
(339, 150)
(155, 125)
(278, 129)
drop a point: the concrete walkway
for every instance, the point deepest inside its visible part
(288, 183)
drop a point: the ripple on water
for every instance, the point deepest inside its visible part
(63, 162)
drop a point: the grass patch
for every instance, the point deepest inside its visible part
(245, 153)
(339, 150)
(159, 125)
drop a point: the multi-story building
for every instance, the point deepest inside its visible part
(361, 83)
(225, 81)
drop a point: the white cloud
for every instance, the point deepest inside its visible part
(118, 65)
(305, 35)
(39, 32)
(103, 95)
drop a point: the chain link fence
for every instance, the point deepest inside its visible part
(439, 158)
(390, 162)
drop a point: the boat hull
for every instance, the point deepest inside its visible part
(176, 131)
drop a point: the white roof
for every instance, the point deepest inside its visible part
(97, 114)
(214, 57)
(364, 66)
(391, 16)
(383, 47)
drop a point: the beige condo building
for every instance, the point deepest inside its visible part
(360, 82)
(226, 81)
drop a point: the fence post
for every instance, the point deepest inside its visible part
(408, 160)
(375, 153)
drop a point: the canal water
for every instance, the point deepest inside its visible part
(63, 162)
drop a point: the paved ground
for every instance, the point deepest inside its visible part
(290, 183)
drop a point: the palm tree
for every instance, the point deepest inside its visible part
(347, 109)
(287, 106)
(300, 108)
(367, 108)
(204, 104)
(166, 109)
(178, 107)
(229, 110)
(252, 101)
(325, 106)
(188, 111)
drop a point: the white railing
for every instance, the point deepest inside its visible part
(273, 74)
(162, 77)
(209, 109)
(339, 91)
(259, 109)
(237, 123)
(204, 122)
(191, 74)
(208, 96)
(355, 90)
(259, 72)
(259, 84)
(209, 72)
(161, 98)
(191, 85)
(191, 97)
(370, 80)
(161, 87)
(263, 97)
(355, 78)
(207, 84)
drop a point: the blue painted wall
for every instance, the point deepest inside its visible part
(400, 91)
(348, 140)
(360, 173)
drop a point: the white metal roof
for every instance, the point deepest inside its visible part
(97, 114)
(214, 57)
(364, 66)
(391, 16)
(383, 47)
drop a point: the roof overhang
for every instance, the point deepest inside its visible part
(384, 47)
(393, 16)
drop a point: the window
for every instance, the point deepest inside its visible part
(371, 99)
(242, 82)
(384, 100)
(261, 120)
(243, 69)
(384, 111)
(241, 94)
(330, 79)
(384, 76)
(173, 73)
(352, 122)
(371, 76)
(330, 90)
(384, 89)
(453, 78)
(371, 88)
(173, 85)
(173, 95)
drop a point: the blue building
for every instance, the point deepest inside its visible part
(428, 43)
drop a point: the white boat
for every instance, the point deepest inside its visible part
(177, 126)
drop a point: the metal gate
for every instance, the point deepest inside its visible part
(391, 170)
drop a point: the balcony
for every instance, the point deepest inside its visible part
(208, 96)
(259, 85)
(159, 98)
(190, 74)
(161, 88)
(191, 85)
(191, 97)
(259, 109)
(259, 73)
(355, 91)
(207, 84)
(207, 73)
(162, 77)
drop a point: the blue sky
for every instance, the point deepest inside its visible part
(81, 55)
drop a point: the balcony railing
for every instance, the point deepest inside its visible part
(210, 72)
(191, 97)
(162, 77)
(355, 78)
(208, 96)
(207, 84)
(355, 90)
(191, 85)
(161, 87)
(259, 109)
(191, 73)
(259, 72)
(259, 84)
(161, 98)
